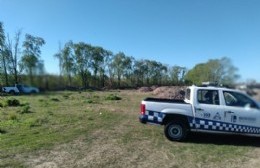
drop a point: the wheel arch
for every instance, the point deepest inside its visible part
(176, 117)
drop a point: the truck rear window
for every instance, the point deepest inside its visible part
(187, 94)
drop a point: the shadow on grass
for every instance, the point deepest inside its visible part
(219, 139)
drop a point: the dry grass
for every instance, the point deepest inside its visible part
(73, 131)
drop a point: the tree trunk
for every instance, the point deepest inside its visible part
(5, 73)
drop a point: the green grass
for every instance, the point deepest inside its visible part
(88, 123)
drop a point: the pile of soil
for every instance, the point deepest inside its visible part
(170, 92)
(257, 95)
(145, 89)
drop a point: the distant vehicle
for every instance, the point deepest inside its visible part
(20, 88)
(206, 109)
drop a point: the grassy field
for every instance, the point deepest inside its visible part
(91, 129)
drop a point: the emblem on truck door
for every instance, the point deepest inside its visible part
(217, 116)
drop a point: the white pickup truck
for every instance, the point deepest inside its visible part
(204, 109)
(20, 88)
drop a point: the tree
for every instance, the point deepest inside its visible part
(31, 54)
(13, 51)
(140, 69)
(129, 66)
(101, 63)
(3, 53)
(177, 74)
(229, 71)
(221, 71)
(120, 65)
(58, 55)
(97, 58)
(68, 61)
(83, 53)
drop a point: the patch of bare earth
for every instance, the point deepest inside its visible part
(254, 159)
(102, 149)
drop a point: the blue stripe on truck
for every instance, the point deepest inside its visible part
(152, 117)
(211, 125)
(155, 117)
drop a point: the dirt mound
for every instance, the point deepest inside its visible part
(257, 95)
(170, 92)
(145, 89)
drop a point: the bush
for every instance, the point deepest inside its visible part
(113, 97)
(89, 101)
(12, 117)
(13, 102)
(2, 131)
(55, 99)
(25, 109)
(32, 122)
(1, 104)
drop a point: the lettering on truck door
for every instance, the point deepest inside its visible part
(242, 114)
(209, 113)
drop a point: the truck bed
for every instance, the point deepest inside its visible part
(150, 99)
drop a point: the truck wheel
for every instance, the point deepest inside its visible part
(175, 131)
(12, 92)
(33, 92)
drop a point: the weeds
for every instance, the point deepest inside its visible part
(3, 104)
(2, 131)
(13, 102)
(26, 109)
(112, 97)
(55, 99)
(13, 117)
(89, 101)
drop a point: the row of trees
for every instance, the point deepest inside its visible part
(14, 63)
(84, 65)
(96, 66)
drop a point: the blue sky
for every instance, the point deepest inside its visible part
(174, 32)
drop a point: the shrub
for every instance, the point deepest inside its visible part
(25, 104)
(32, 122)
(2, 131)
(41, 120)
(13, 117)
(89, 101)
(50, 112)
(3, 103)
(55, 99)
(25, 109)
(13, 102)
(65, 96)
(113, 97)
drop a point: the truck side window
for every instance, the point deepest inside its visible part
(208, 97)
(238, 100)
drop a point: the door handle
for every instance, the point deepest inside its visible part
(229, 112)
(199, 109)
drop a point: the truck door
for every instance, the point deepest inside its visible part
(241, 112)
(208, 111)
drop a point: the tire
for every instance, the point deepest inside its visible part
(175, 131)
(12, 92)
(33, 92)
